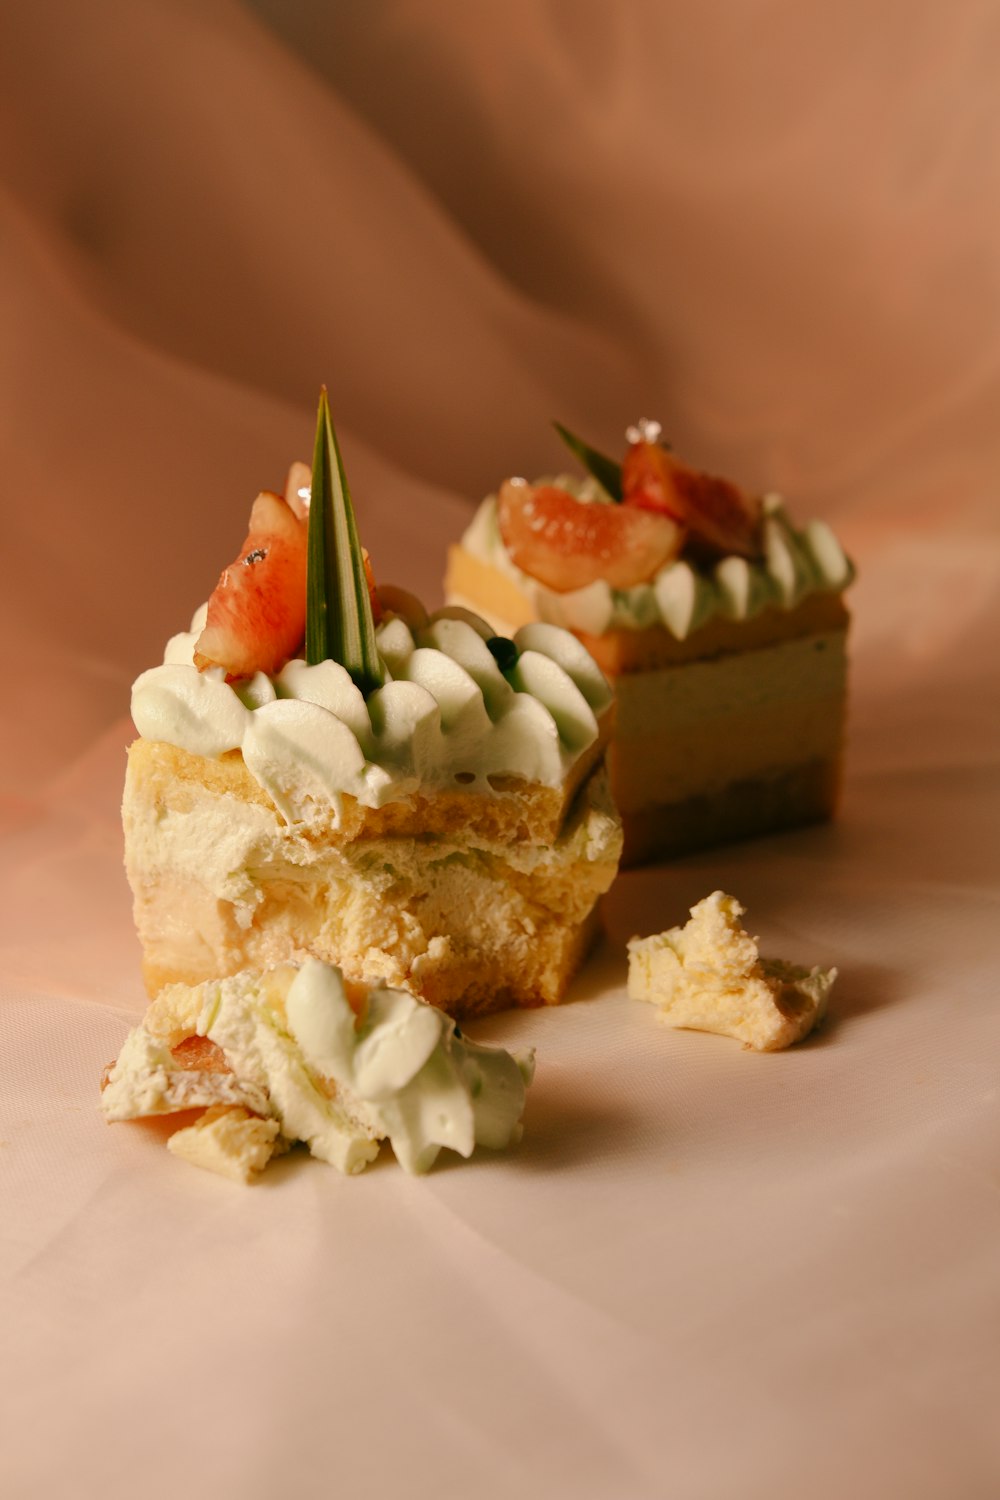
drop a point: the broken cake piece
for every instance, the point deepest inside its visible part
(709, 976)
(296, 1054)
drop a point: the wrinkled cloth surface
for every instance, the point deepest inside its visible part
(704, 1272)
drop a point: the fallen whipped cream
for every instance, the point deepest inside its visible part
(282, 1056)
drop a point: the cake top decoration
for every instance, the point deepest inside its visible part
(714, 516)
(340, 622)
(646, 430)
(302, 576)
(328, 687)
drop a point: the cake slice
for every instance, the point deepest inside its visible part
(430, 811)
(721, 626)
(293, 1054)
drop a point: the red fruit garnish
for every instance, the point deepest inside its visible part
(648, 480)
(257, 613)
(568, 543)
(200, 1055)
(298, 487)
(376, 602)
(719, 517)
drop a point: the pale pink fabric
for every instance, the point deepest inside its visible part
(775, 226)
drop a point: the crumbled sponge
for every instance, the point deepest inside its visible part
(228, 1140)
(709, 976)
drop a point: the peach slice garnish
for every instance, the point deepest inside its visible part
(257, 612)
(567, 543)
(720, 518)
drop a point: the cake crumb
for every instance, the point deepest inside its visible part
(709, 976)
(227, 1140)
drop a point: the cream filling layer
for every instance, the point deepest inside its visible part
(680, 729)
(235, 858)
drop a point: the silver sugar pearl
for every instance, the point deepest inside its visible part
(643, 431)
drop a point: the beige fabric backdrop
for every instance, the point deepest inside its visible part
(774, 225)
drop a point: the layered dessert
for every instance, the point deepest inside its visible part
(709, 976)
(720, 624)
(251, 1064)
(323, 769)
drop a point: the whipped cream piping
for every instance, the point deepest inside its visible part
(683, 595)
(446, 716)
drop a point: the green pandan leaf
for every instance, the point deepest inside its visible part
(339, 622)
(607, 473)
